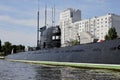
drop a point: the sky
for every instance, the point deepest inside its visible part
(18, 18)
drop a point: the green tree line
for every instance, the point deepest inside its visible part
(112, 34)
(7, 48)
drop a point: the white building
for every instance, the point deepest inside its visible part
(67, 18)
(72, 26)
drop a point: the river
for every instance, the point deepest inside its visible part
(25, 71)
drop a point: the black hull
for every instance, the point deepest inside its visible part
(107, 52)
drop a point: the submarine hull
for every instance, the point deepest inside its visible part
(107, 52)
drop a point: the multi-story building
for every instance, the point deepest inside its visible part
(72, 26)
(67, 18)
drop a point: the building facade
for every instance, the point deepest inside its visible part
(67, 18)
(96, 27)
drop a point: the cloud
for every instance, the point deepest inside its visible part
(9, 10)
(22, 22)
(17, 37)
(23, 13)
(6, 8)
(16, 10)
(96, 1)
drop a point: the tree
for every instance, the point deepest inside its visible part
(7, 48)
(20, 48)
(112, 34)
(14, 47)
(106, 37)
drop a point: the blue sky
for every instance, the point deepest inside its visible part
(18, 17)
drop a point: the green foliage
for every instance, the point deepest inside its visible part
(20, 48)
(75, 42)
(14, 47)
(8, 47)
(1, 53)
(106, 37)
(112, 34)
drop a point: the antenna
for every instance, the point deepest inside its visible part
(38, 5)
(45, 15)
(38, 26)
(54, 15)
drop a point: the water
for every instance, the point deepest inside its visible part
(25, 71)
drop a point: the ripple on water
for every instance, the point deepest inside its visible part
(16, 71)
(23, 71)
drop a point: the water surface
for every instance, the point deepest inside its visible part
(25, 71)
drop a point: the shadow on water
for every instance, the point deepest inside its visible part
(48, 73)
(69, 73)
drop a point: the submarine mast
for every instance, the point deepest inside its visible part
(38, 40)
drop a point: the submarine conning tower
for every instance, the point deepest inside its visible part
(51, 38)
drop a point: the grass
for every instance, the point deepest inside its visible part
(77, 65)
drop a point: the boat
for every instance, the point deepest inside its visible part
(107, 52)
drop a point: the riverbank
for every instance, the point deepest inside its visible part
(77, 65)
(2, 57)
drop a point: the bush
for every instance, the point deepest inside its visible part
(112, 34)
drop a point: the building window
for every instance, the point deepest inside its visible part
(57, 37)
(53, 37)
(71, 14)
(91, 31)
